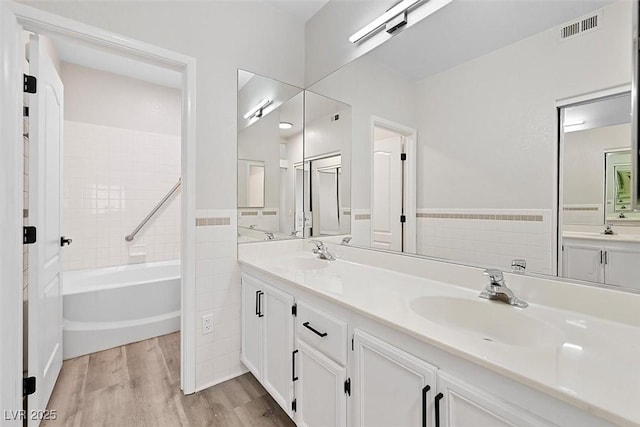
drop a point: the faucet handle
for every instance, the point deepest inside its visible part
(519, 265)
(494, 275)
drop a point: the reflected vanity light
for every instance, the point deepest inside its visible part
(285, 125)
(398, 11)
(568, 125)
(257, 110)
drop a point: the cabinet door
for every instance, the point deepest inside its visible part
(389, 385)
(622, 268)
(463, 405)
(583, 263)
(278, 346)
(251, 326)
(320, 394)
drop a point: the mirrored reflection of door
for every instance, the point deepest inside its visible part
(326, 197)
(387, 190)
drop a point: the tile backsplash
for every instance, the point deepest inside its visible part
(112, 178)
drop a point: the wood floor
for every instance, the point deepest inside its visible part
(139, 385)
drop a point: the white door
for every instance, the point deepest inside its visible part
(391, 387)
(463, 405)
(386, 206)
(622, 268)
(583, 263)
(320, 389)
(278, 346)
(252, 325)
(45, 284)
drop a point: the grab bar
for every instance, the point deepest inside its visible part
(153, 211)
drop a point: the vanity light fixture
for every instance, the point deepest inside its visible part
(285, 125)
(396, 17)
(257, 110)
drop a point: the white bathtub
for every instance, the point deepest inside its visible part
(113, 306)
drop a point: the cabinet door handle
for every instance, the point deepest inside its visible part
(293, 366)
(257, 303)
(437, 400)
(601, 257)
(606, 257)
(424, 404)
(260, 313)
(321, 334)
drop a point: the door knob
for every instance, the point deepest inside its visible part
(65, 241)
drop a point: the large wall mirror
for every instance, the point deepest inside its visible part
(270, 133)
(458, 139)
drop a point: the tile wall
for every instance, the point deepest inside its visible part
(217, 293)
(112, 179)
(488, 237)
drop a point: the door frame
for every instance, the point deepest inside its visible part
(14, 18)
(410, 230)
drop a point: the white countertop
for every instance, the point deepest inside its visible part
(631, 238)
(592, 363)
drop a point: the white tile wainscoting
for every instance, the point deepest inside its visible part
(217, 293)
(488, 237)
(112, 179)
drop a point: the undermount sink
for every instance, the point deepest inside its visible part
(488, 320)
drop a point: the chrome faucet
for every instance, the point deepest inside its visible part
(269, 235)
(322, 251)
(608, 229)
(346, 240)
(497, 290)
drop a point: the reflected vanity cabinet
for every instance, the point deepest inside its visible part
(602, 261)
(328, 366)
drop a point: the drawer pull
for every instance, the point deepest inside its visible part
(321, 334)
(424, 404)
(437, 399)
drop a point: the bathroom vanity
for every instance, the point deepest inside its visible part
(601, 258)
(378, 339)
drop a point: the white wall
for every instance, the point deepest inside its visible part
(90, 97)
(584, 162)
(488, 126)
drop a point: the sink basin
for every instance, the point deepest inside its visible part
(305, 263)
(487, 320)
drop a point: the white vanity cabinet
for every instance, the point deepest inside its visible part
(461, 404)
(320, 371)
(390, 386)
(267, 338)
(602, 261)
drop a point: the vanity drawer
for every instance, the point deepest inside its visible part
(322, 331)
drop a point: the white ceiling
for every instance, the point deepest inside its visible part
(467, 29)
(83, 55)
(301, 10)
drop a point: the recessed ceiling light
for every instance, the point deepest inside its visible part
(285, 125)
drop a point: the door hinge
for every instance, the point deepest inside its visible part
(25, 111)
(403, 157)
(403, 219)
(347, 386)
(28, 386)
(30, 84)
(293, 405)
(28, 235)
(294, 310)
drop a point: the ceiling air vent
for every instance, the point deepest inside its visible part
(582, 25)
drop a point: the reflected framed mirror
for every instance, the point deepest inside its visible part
(270, 133)
(456, 150)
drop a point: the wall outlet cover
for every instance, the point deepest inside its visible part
(207, 324)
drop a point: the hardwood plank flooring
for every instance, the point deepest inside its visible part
(139, 385)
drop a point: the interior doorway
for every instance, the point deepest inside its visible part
(393, 194)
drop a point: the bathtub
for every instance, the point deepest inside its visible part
(108, 307)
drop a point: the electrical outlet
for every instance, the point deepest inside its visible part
(207, 324)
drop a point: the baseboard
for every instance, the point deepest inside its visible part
(223, 379)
